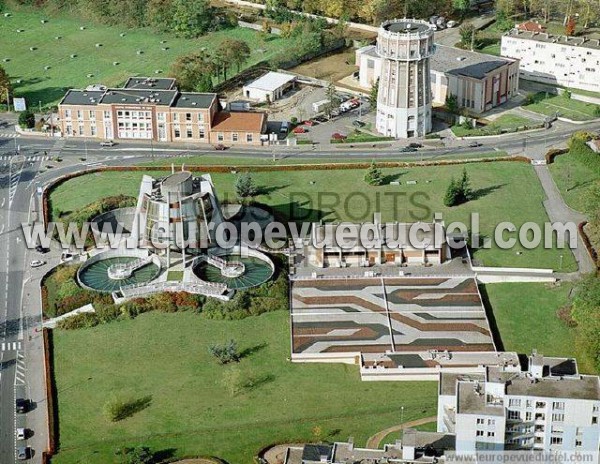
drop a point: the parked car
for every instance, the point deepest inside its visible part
(320, 119)
(66, 257)
(415, 145)
(284, 128)
(338, 136)
(21, 433)
(220, 147)
(22, 405)
(107, 143)
(357, 123)
(37, 263)
(433, 19)
(433, 27)
(23, 453)
(299, 130)
(451, 24)
(41, 249)
(474, 144)
(309, 123)
(408, 149)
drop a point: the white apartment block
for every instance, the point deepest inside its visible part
(549, 407)
(558, 60)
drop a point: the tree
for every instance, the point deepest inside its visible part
(194, 72)
(27, 119)
(452, 103)
(245, 187)
(467, 34)
(570, 27)
(466, 193)
(191, 18)
(5, 85)
(232, 51)
(450, 198)
(333, 99)
(373, 176)
(374, 94)
(462, 6)
(226, 353)
(137, 455)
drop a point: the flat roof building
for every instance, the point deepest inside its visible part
(479, 81)
(154, 109)
(556, 60)
(269, 87)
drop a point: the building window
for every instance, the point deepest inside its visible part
(201, 132)
(80, 130)
(188, 116)
(558, 405)
(514, 402)
(556, 440)
(160, 116)
(479, 433)
(234, 137)
(93, 131)
(480, 421)
(107, 115)
(594, 420)
(67, 114)
(578, 443)
(69, 130)
(558, 417)
(177, 132)
(220, 136)
(92, 114)
(514, 415)
(188, 132)
(175, 116)
(491, 421)
(540, 404)
(249, 138)
(528, 416)
(491, 434)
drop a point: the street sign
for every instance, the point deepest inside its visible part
(19, 104)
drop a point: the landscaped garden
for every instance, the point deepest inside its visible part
(502, 124)
(99, 53)
(307, 195)
(193, 405)
(566, 106)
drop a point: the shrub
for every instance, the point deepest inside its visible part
(245, 187)
(78, 321)
(27, 119)
(226, 353)
(162, 302)
(68, 289)
(117, 409)
(374, 176)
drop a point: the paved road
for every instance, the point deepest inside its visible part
(374, 441)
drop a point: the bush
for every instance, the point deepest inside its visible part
(117, 409)
(78, 321)
(27, 119)
(226, 353)
(374, 176)
(245, 187)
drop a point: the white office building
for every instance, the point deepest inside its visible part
(269, 87)
(548, 407)
(558, 60)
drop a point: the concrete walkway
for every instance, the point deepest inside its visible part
(558, 211)
(374, 441)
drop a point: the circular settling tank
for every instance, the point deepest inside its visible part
(95, 275)
(257, 269)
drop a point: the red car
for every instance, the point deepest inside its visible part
(338, 136)
(299, 130)
(309, 123)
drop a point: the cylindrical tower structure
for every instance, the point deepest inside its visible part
(404, 95)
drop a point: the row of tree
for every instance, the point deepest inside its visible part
(587, 11)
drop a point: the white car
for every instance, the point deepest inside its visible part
(66, 257)
(107, 143)
(37, 263)
(21, 434)
(451, 24)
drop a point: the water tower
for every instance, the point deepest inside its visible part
(404, 98)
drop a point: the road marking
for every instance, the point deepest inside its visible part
(10, 346)
(9, 136)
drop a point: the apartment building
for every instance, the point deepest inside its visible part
(548, 407)
(479, 81)
(558, 60)
(154, 109)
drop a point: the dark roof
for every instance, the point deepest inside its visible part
(82, 97)
(435, 440)
(194, 100)
(406, 26)
(150, 83)
(313, 453)
(465, 63)
(139, 97)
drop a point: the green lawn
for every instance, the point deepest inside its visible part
(343, 195)
(192, 412)
(573, 179)
(525, 315)
(48, 86)
(491, 49)
(569, 108)
(505, 123)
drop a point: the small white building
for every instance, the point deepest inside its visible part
(269, 87)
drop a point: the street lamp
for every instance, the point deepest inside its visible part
(561, 262)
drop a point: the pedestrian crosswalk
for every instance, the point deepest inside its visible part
(21, 369)
(5, 135)
(26, 158)
(10, 346)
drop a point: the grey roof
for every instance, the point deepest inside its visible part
(194, 100)
(436, 440)
(583, 42)
(82, 97)
(313, 453)
(581, 388)
(465, 63)
(472, 400)
(150, 83)
(448, 381)
(176, 179)
(347, 452)
(139, 97)
(406, 26)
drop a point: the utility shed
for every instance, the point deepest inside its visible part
(269, 87)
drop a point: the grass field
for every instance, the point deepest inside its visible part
(525, 314)
(506, 122)
(48, 86)
(573, 179)
(342, 195)
(165, 357)
(566, 107)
